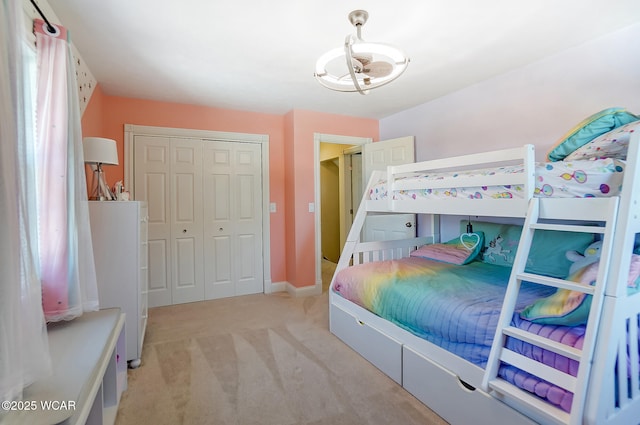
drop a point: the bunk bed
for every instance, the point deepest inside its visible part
(585, 367)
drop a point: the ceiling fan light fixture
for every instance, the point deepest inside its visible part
(360, 65)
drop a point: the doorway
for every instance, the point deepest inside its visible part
(375, 156)
(335, 156)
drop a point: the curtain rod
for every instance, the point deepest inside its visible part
(50, 27)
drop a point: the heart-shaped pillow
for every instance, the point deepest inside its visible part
(461, 250)
(470, 240)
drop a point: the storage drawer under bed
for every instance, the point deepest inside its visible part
(371, 343)
(449, 397)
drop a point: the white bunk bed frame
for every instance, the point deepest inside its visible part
(462, 392)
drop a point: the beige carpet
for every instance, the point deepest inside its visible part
(258, 359)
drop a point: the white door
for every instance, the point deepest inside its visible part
(152, 177)
(376, 157)
(187, 201)
(186, 221)
(233, 219)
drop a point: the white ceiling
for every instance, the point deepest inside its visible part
(259, 56)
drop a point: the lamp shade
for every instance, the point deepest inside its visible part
(98, 150)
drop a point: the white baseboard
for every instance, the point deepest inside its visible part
(276, 287)
(304, 291)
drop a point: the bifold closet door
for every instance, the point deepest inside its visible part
(152, 183)
(232, 193)
(168, 175)
(205, 217)
(186, 221)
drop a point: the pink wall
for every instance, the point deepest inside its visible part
(301, 127)
(92, 116)
(289, 188)
(290, 153)
(106, 116)
(92, 125)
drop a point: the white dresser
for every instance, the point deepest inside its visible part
(119, 233)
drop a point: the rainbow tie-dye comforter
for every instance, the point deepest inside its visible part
(457, 308)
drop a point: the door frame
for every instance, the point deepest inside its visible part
(132, 130)
(317, 139)
(347, 174)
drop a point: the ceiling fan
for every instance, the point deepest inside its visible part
(368, 65)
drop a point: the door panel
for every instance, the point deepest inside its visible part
(387, 227)
(185, 270)
(377, 156)
(246, 271)
(158, 267)
(186, 226)
(246, 204)
(221, 255)
(152, 176)
(387, 152)
(248, 188)
(218, 238)
(232, 182)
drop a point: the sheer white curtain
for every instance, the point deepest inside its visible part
(24, 353)
(47, 271)
(67, 268)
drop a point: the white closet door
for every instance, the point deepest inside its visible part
(186, 221)
(152, 177)
(232, 187)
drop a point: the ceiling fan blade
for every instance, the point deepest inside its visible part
(378, 69)
(364, 58)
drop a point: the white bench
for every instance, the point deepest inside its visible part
(89, 374)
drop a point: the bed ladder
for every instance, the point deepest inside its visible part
(565, 213)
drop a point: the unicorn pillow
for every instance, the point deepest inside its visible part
(591, 255)
(461, 250)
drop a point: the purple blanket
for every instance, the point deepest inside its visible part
(571, 336)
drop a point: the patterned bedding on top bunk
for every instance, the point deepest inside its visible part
(588, 161)
(457, 306)
(562, 179)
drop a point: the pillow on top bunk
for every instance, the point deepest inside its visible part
(571, 308)
(613, 144)
(588, 129)
(461, 250)
(547, 253)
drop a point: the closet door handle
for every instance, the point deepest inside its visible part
(184, 230)
(408, 224)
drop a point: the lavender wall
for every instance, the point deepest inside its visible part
(535, 104)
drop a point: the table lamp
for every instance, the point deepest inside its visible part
(97, 152)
